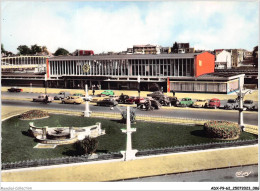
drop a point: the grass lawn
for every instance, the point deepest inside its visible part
(16, 146)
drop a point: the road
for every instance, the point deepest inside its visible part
(216, 175)
(208, 114)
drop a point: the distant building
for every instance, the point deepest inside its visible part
(83, 53)
(129, 51)
(217, 51)
(182, 48)
(248, 55)
(237, 56)
(146, 49)
(223, 60)
(166, 50)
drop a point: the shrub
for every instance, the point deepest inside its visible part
(154, 87)
(132, 115)
(87, 146)
(222, 129)
(34, 114)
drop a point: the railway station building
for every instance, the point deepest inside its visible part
(188, 72)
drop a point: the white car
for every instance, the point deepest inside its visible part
(88, 98)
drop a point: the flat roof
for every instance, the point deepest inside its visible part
(126, 56)
(219, 76)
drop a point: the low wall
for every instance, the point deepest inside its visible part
(151, 166)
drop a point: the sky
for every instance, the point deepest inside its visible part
(118, 25)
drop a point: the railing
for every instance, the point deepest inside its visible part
(202, 146)
(61, 160)
(117, 155)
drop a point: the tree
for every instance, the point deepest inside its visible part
(35, 49)
(175, 48)
(255, 56)
(2, 49)
(87, 146)
(61, 51)
(154, 87)
(24, 50)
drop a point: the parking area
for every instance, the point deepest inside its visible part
(131, 97)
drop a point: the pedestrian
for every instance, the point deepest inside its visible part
(93, 91)
(173, 93)
(46, 99)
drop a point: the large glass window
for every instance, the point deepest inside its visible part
(180, 68)
(184, 62)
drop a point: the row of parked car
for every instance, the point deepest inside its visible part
(199, 103)
(155, 99)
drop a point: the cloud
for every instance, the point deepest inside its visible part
(107, 26)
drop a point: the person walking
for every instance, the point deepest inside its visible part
(46, 99)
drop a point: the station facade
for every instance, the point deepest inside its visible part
(177, 72)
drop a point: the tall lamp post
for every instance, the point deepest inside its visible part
(138, 80)
(87, 111)
(240, 97)
(45, 83)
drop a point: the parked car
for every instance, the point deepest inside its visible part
(154, 104)
(231, 104)
(214, 103)
(107, 102)
(249, 105)
(87, 98)
(114, 97)
(42, 98)
(200, 103)
(158, 95)
(78, 94)
(164, 100)
(155, 94)
(186, 102)
(135, 99)
(122, 98)
(72, 100)
(107, 92)
(174, 101)
(61, 95)
(15, 89)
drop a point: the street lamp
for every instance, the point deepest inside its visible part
(138, 80)
(240, 97)
(87, 111)
(31, 87)
(45, 83)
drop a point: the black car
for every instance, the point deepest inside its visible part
(155, 94)
(15, 89)
(174, 101)
(153, 103)
(107, 102)
(159, 96)
(122, 98)
(165, 101)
